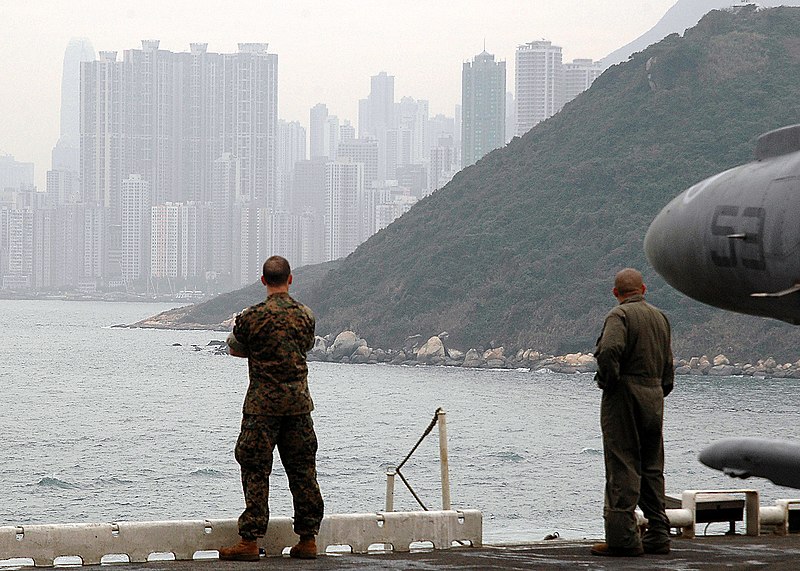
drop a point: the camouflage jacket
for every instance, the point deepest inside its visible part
(275, 335)
(635, 342)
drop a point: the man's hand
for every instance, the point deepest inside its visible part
(236, 347)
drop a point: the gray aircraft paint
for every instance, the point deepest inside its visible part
(776, 460)
(733, 240)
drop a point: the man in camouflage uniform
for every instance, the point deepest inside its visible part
(274, 336)
(634, 369)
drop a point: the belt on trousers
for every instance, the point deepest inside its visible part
(641, 380)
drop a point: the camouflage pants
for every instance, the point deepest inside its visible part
(297, 444)
(631, 417)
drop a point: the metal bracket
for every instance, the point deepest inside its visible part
(794, 289)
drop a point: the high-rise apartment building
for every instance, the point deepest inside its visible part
(578, 76)
(102, 132)
(319, 136)
(539, 83)
(67, 245)
(364, 151)
(165, 233)
(63, 187)
(483, 109)
(346, 131)
(225, 198)
(136, 216)
(377, 116)
(442, 163)
(291, 149)
(18, 242)
(168, 117)
(413, 117)
(345, 212)
(13, 174)
(511, 116)
(376, 113)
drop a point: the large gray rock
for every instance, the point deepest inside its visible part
(721, 360)
(344, 345)
(411, 343)
(361, 354)
(472, 359)
(320, 348)
(432, 351)
(724, 371)
(495, 354)
(455, 354)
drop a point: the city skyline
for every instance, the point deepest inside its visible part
(323, 55)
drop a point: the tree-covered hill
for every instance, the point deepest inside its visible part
(520, 249)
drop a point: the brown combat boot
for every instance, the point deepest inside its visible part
(306, 548)
(607, 550)
(245, 550)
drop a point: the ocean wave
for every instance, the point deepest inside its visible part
(112, 481)
(55, 483)
(207, 473)
(592, 451)
(507, 456)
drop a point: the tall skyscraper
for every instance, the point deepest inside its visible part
(376, 112)
(511, 116)
(291, 149)
(225, 198)
(66, 153)
(538, 84)
(102, 128)
(483, 107)
(413, 117)
(318, 131)
(376, 116)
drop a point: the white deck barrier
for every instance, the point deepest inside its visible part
(139, 540)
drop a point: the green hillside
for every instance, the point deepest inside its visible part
(520, 249)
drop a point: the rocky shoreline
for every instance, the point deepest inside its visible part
(348, 347)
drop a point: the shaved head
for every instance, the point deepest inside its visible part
(628, 281)
(276, 271)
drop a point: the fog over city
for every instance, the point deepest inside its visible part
(327, 51)
(166, 150)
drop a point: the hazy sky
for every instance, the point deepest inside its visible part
(327, 49)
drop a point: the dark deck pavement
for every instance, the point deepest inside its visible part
(702, 553)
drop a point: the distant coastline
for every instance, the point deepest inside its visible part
(348, 347)
(98, 296)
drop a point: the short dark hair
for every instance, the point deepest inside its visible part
(276, 270)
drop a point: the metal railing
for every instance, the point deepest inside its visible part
(440, 419)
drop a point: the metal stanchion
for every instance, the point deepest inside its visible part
(390, 474)
(443, 461)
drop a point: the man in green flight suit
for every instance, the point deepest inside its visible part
(274, 336)
(635, 371)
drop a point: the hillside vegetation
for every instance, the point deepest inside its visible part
(520, 249)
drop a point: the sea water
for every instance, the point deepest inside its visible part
(102, 424)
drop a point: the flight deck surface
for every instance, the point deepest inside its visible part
(702, 553)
